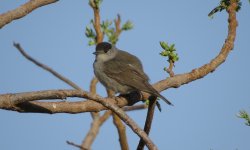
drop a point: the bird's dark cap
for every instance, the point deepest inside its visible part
(103, 46)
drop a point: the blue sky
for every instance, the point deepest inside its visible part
(204, 115)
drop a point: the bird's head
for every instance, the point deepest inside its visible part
(105, 51)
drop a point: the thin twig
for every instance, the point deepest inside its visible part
(75, 145)
(118, 26)
(45, 67)
(92, 90)
(22, 11)
(121, 129)
(95, 125)
(94, 130)
(170, 68)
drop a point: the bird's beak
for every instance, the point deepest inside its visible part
(98, 52)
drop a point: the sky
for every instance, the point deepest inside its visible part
(205, 111)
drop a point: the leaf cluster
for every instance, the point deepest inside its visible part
(111, 32)
(224, 5)
(90, 34)
(169, 51)
(244, 115)
(108, 30)
(95, 3)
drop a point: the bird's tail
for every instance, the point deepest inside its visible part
(165, 99)
(153, 91)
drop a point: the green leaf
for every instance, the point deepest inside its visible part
(164, 45)
(127, 26)
(224, 4)
(91, 42)
(89, 32)
(147, 101)
(244, 115)
(172, 48)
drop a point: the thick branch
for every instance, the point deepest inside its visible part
(202, 71)
(22, 11)
(19, 99)
(21, 102)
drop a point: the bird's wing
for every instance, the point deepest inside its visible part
(126, 74)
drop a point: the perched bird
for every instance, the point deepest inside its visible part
(121, 71)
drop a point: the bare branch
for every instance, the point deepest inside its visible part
(94, 130)
(121, 132)
(21, 102)
(97, 120)
(149, 120)
(45, 67)
(118, 111)
(97, 23)
(12, 100)
(119, 126)
(92, 90)
(118, 26)
(22, 11)
(132, 125)
(170, 69)
(92, 87)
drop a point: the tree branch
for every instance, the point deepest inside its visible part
(97, 120)
(94, 130)
(202, 71)
(97, 22)
(119, 126)
(22, 11)
(170, 69)
(121, 132)
(149, 120)
(45, 67)
(11, 101)
(75, 145)
(118, 29)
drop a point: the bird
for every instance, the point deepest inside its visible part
(121, 72)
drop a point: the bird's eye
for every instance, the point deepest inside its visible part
(106, 50)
